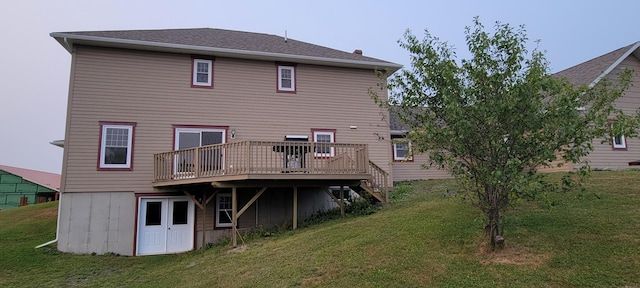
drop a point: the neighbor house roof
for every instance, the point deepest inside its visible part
(591, 71)
(395, 124)
(223, 43)
(46, 179)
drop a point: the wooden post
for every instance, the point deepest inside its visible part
(234, 211)
(204, 217)
(196, 163)
(341, 200)
(203, 207)
(295, 207)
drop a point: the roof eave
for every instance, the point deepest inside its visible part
(398, 132)
(615, 64)
(68, 40)
(59, 143)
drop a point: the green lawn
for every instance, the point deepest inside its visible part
(427, 237)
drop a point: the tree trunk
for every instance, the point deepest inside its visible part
(493, 226)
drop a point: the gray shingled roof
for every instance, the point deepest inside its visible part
(584, 73)
(592, 70)
(395, 124)
(222, 40)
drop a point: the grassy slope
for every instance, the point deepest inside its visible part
(425, 239)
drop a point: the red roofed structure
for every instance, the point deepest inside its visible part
(20, 186)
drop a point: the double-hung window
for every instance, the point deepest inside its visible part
(402, 151)
(286, 78)
(322, 136)
(223, 210)
(116, 146)
(202, 73)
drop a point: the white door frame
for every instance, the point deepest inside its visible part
(199, 131)
(161, 235)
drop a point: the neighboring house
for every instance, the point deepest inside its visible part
(615, 155)
(174, 138)
(406, 164)
(19, 186)
(618, 153)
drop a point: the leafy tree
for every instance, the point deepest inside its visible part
(493, 119)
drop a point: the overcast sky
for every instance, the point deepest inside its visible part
(34, 68)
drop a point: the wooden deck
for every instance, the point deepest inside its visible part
(265, 163)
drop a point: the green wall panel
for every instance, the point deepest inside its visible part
(7, 187)
(9, 178)
(44, 189)
(26, 187)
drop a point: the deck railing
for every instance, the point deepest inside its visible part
(262, 157)
(379, 181)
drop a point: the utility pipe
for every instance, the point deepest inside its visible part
(57, 225)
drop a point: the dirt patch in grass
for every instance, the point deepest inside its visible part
(520, 256)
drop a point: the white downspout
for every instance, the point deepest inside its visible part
(57, 225)
(67, 44)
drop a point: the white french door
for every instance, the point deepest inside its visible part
(179, 226)
(165, 225)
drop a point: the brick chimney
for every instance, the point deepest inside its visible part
(357, 51)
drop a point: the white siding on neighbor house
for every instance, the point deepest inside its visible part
(604, 156)
(154, 91)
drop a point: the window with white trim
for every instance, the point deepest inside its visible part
(223, 210)
(116, 146)
(324, 136)
(210, 160)
(402, 151)
(202, 72)
(286, 78)
(619, 141)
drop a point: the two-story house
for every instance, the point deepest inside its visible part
(620, 153)
(175, 138)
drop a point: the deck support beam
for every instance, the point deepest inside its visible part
(255, 197)
(204, 214)
(203, 207)
(341, 200)
(234, 216)
(295, 207)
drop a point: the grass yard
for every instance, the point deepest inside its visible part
(428, 237)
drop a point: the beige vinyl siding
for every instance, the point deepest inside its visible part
(154, 91)
(246, 220)
(413, 170)
(603, 155)
(556, 166)
(404, 171)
